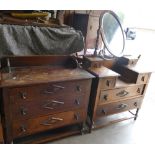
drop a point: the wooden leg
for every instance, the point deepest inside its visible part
(136, 115)
(90, 128)
(89, 125)
(82, 128)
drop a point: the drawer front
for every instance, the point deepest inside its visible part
(108, 83)
(117, 107)
(23, 128)
(32, 109)
(47, 91)
(142, 78)
(120, 93)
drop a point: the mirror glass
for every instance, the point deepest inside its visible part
(112, 33)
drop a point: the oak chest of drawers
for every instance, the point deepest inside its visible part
(112, 94)
(43, 98)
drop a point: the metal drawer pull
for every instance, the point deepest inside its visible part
(52, 103)
(122, 106)
(56, 88)
(135, 104)
(108, 83)
(48, 92)
(23, 111)
(105, 97)
(76, 116)
(23, 95)
(78, 88)
(23, 128)
(122, 93)
(103, 111)
(57, 102)
(143, 77)
(51, 121)
(138, 90)
(77, 102)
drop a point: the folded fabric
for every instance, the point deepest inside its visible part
(34, 40)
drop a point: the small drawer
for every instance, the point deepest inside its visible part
(23, 128)
(142, 78)
(120, 93)
(107, 83)
(117, 107)
(32, 109)
(47, 91)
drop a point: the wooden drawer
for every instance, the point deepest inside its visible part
(117, 107)
(120, 93)
(23, 128)
(131, 74)
(31, 109)
(142, 78)
(47, 91)
(107, 83)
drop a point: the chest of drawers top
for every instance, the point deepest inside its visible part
(19, 71)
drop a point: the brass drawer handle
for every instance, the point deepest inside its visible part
(51, 121)
(122, 93)
(56, 88)
(52, 103)
(122, 106)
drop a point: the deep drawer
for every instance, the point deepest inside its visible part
(32, 109)
(120, 93)
(117, 107)
(47, 91)
(23, 128)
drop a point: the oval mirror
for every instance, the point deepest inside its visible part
(112, 33)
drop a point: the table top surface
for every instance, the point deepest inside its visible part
(41, 74)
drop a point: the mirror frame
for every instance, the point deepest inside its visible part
(101, 32)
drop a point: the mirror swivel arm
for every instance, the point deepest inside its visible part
(97, 42)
